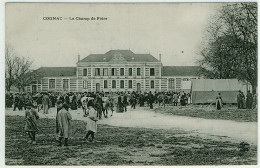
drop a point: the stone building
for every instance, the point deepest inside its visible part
(116, 70)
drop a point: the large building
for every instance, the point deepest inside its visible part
(116, 70)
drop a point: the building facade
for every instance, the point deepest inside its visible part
(116, 70)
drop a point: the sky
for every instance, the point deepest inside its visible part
(174, 30)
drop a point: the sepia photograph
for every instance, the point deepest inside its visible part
(131, 84)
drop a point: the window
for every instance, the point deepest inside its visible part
(97, 72)
(113, 72)
(65, 83)
(85, 84)
(122, 84)
(151, 71)
(105, 72)
(185, 79)
(122, 71)
(130, 84)
(152, 84)
(113, 84)
(130, 71)
(85, 72)
(52, 83)
(105, 84)
(138, 71)
(171, 84)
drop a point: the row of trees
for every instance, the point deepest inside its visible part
(17, 70)
(230, 50)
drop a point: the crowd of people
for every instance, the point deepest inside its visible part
(97, 105)
(46, 100)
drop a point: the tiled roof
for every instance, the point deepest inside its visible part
(56, 71)
(123, 55)
(180, 71)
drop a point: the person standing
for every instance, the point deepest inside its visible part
(30, 123)
(119, 104)
(219, 102)
(239, 100)
(74, 103)
(125, 103)
(59, 107)
(64, 118)
(16, 101)
(45, 102)
(150, 99)
(99, 105)
(133, 100)
(249, 100)
(91, 126)
(175, 99)
(141, 99)
(254, 105)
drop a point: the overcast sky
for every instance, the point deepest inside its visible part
(174, 30)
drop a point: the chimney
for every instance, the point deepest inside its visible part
(78, 58)
(160, 57)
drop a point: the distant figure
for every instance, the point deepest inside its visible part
(16, 101)
(175, 99)
(150, 99)
(125, 102)
(120, 108)
(239, 100)
(74, 103)
(219, 102)
(254, 105)
(249, 100)
(45, 102)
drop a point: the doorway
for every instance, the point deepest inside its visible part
(138, 87)
(34, 88)
(97, 87)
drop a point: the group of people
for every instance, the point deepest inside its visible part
(246, 102)
(94, 105)
(45, 100)
(63, 122)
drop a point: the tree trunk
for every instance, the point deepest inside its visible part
(254, 88)
(8, 88)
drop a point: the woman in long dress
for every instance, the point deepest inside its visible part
(91, 126)
(30, 123)
(219, 102)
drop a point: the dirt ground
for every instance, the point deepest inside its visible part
(228, 112)
(145, 118)
(120, 146)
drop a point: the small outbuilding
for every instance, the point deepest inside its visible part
(206, 90)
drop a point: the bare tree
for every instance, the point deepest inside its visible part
(22, 73)
(231, 49)
(17, 70)
(9, 66)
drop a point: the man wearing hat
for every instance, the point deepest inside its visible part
(31, 117)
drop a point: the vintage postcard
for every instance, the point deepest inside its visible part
(131, 84)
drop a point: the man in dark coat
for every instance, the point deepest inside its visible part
(133, 100)
(125, 102)
(249, 100)
(150, 99)
(239, 100)
(16, 101)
